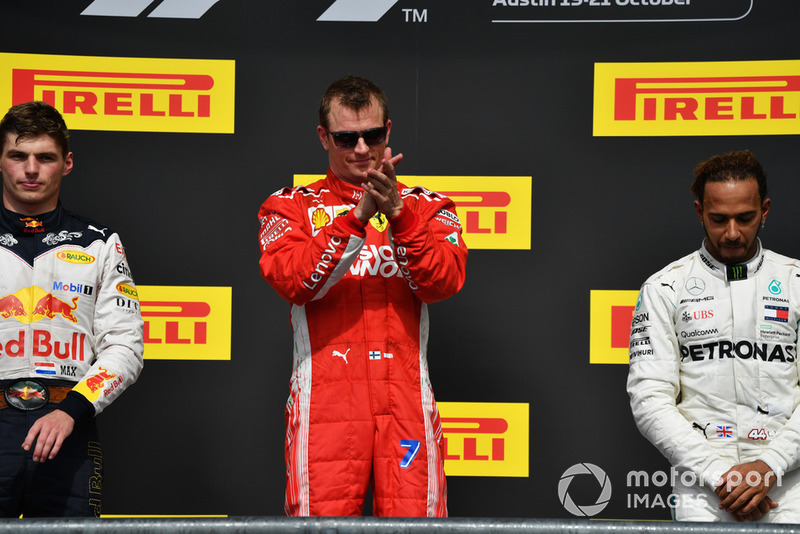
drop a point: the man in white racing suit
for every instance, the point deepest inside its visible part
(713, 379)
(70, 326)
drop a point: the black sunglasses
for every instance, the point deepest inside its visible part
(372, 137)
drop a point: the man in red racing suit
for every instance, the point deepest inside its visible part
(361, 410)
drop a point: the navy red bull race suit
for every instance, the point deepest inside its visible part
(70, 339)
(361, 409)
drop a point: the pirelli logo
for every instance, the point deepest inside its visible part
(485, 439)
(186, 323)
(495, 211)
(705, 98)
(125, 94)
(610, 325)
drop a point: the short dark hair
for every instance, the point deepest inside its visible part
(353, 92)
(32, 119)
(733, 166)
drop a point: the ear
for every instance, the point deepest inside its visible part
(323, 136)
(765, 209)
(698, 208)
(388, 131)
(67, 164)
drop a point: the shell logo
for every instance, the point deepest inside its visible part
(320, 218)
(73, 256)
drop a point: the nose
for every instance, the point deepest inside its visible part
(31, 165)
(732, 232)
(361, 146)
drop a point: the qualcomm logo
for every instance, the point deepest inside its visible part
(602, 499)
(356, 10)
(167, 9)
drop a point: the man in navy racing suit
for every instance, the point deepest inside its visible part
(713, 379)
(70, 326)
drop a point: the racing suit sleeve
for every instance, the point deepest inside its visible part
(429, 248)
(654, 388)
(118, 336)
(300, 266)
(782, 453)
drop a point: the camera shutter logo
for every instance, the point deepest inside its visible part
(602, 499)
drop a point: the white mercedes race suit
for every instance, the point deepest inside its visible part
(713, 379)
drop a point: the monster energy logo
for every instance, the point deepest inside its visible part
(737, 272)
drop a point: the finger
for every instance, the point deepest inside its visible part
(390, 164)
(731, 498)
(31, 437)
(743, 502)
(56, 447)
(42, 449)
(751, 505)
(763, 507)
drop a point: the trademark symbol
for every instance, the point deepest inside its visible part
(415, 15)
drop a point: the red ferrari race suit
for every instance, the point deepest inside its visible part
(361, 409)
(70, 333)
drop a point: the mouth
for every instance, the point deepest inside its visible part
(366, 162)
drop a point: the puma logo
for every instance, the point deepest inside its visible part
(702, 428)
(340, 355)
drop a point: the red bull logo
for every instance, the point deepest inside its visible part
(103, 382)
(32, 226)
(31, 222)
(50, 306)
(33, 304)
(45, 344)
(11, 306)
(98, 381)
(26, 393)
